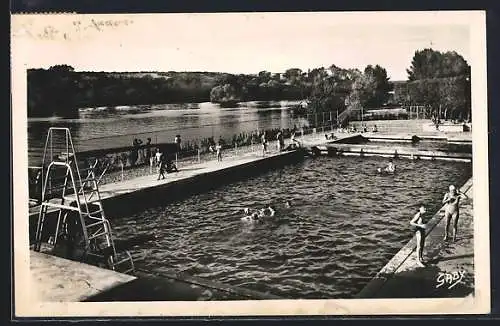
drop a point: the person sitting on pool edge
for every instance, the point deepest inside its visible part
(170, 166)
(419, 226)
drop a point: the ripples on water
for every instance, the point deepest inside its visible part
(345, 224)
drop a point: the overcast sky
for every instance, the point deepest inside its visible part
(249, 43)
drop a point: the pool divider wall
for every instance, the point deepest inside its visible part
(335, 149)
(379, 280)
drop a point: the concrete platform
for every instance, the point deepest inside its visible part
(57, 279)
(402, 278)
(60, 280)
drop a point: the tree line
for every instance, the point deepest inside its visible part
(438, 80)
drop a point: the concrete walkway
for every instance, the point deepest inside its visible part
(450, 265)
(57, 279)
(61, 280)
(189, 171)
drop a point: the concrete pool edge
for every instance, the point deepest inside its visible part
(64, 280)
(388, 271)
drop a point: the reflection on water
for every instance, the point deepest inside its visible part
(346, 222)
(112, 127)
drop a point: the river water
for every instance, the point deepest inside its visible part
(117, 126)
(345, 224)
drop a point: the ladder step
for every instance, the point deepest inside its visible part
(73, 199)
(86, 169)
(95, 212)
(88, 179)
(70, 198)
(65, 155)
(49, 204)
(99, 235)
(95, 224)
(54, 188)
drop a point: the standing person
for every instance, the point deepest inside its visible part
(281, 140)
(177, 141)
(451, 200)
(218, 148)
(278, 138)
(294, 140)
(264, 143)
(158, 156)
(419, 228)
(148, 149)
(163, 167)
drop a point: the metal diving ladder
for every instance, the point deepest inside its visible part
(76, 204)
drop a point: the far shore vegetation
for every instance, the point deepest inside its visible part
(440, 81)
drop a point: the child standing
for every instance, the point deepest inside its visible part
(419, 228)
(218, 148)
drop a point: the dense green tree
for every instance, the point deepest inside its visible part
(440, 81)
(377, 87)
(429, 63)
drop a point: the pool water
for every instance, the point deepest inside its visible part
(346, 222)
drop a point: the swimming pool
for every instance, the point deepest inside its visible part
(346, 222)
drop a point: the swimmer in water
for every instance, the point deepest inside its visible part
(419, 228)
(288, 204)
(390, 168)
(252, 218)
(269, 211)
(451, 200)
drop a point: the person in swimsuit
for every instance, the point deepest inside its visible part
(264, 143)
(417, 222)
(251, 218)
(170, 166)
(390, 168)
(268, 211)
(451, 200)
(158, 156)
(218, 148)
(162, 168)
